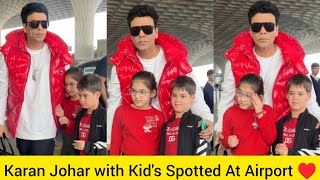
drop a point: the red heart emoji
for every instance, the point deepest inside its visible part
(307, 170)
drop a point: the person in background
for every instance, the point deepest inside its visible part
(101, 71)
(315, 80)
(208, 90)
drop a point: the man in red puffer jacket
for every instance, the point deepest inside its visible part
(159, 53)
(32, 68)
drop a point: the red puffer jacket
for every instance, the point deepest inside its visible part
(243, 61)
(127, 64)
(18, 62)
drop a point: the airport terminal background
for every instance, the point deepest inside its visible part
(207, 27)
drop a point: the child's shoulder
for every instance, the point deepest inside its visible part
(267, 107)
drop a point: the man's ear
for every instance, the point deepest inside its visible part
(156, 31)
(25, 27)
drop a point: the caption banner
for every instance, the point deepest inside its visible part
(185, 167)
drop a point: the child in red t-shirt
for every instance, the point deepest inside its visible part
(90, 126)
(136, 127)
(249, 127)
(180, 135)
(69, 108)
(298, 133)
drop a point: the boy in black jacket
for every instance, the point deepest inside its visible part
(180, 134)
(299, 129)
(90, 128)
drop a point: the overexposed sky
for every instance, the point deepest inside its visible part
(65, 29)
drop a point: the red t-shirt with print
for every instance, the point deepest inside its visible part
(289, 131)
(135, 131)
(172, 137)
(84, 129)
(70, 108)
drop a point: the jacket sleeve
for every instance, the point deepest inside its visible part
(226, 129)
(315, 151)
(3, 89)
(202, 146)
(313, 106)
(95, 148)
(199, 107)
(267, 126)
(278, 139)
(116, 133)
(113, 101)
(163, 139)
(227, 95)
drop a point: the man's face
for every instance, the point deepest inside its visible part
(144, 42)
(38, 34)
(315, 70)
(264, 39)
(211, 77)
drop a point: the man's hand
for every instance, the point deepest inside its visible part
(207, 133)
(59, 111)
(218, 138)
(233, 141)
(4, 130)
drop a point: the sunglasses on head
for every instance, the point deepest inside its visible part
(268, 26)
(35, 24)
(147, 30)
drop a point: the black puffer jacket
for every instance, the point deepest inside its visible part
(188, 135)
(306, 135)
(96, 144)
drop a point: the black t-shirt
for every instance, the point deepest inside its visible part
(101, 67)
(101, 70)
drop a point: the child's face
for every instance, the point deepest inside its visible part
(181, 101)
(141, 95)
(88, 99)
(298, 98)
(244, 96)
(70, 85)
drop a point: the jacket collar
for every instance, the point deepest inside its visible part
(291, 50)
(171, 47)
(18, 38)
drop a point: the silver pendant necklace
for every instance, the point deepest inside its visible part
(36, 69)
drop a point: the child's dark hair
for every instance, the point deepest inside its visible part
(90, 82)
(263, 7)
(76, 73)
(32, 8)
(186, 83)
(143, 11)
(147, 78)
(300, 80)
(255, 81)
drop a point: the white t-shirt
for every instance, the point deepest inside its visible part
(36, 120)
